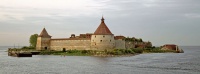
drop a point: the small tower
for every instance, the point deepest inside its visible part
(43, 40)
(102, 38)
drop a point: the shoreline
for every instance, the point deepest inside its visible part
(102, 53)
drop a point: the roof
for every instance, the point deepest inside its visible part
(119, 37)
(170, 45)
(102, 29)
(44, 33)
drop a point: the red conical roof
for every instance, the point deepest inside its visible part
(102, 29)
(44, 33)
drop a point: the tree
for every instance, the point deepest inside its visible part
(140, 40)
(33, 40)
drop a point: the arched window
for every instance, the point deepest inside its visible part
(100, 40)
(104, 36)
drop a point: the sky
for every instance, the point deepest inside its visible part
(159, 21)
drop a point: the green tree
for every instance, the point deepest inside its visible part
(33, 40)
(140, 40)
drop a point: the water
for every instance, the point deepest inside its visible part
(154, 63)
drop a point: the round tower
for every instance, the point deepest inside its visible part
(102, 38)
(43, 40)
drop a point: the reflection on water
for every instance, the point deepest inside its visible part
(156, 63)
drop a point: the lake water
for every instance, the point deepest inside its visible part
(154, 63)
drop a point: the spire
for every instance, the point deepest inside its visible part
(102, 29)
(102, 19)
(44, 34)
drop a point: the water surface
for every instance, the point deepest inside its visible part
(154, 63)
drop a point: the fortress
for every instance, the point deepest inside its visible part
(101, 39)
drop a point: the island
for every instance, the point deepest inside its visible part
(100, 43)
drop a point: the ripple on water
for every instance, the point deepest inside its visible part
(156, 63)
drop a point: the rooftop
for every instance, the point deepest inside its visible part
(44, 33)
(102, 29)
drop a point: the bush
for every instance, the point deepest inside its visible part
(137, 50)
(105, 50)
(129, 51)
(73, 51)
(122, 50)
(110, 52)
(84, 51)
(118, 53)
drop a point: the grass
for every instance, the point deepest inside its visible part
(88, 52)
(157, 50)
(137, 50)
(67, 53)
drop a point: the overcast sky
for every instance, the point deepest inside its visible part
(158, 21)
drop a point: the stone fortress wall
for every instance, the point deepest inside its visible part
(120, 44)
(69, 44)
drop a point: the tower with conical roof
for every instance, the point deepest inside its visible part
(43, 40)
(102, 38)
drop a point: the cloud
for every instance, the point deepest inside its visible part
(21, 9)
(158, 21)
(192, 15)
